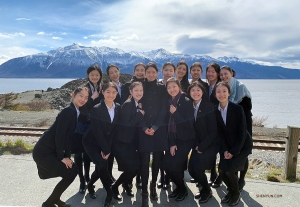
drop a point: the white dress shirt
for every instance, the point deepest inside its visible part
(196, 109)
(223, 112)
(211, 88)
(119, 87)
(78, 112)
(111, 111)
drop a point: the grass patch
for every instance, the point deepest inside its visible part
(259, 121)
(275, 175)
(15, 148)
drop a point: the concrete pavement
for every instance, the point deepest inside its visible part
(21, 186)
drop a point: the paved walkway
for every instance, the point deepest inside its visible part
(21, 186)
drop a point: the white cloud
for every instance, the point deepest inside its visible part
(41, 33)
(104, 42)
(63, 33)
(56, 38)
(85, 37)
(132, 37)
(9, 36)
(18, 19)
(7, 53)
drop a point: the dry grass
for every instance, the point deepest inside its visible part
(42, 122)
(259, 121)
(6, 100)
(39, 105)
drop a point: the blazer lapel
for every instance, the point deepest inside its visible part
(105, 113)
(228, 115)
(116, 114)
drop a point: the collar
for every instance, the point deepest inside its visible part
(112, 108)
(198, 104)
(118, 84)
(225, 109)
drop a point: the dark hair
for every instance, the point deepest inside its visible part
(196, 64)
(92, 68)
(226, 67)
(199, 85)
(140, 63)
(215, 66)
(222, 83)
(186, 76)
(110, 66)
(78, 89)
(168, 63)
(109, 84)
(134, 84)
(151, 64)
(173, 80)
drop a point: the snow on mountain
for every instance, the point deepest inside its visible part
(73, 60)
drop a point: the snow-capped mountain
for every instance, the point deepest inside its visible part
(73, 60)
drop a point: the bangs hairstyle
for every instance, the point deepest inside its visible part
(92, 68)
(168, 63)
(196, 64)
(186, 76)
(79, 89)
(226, 67)
(215, 66)
(109, 84)
(173, 80)
(151, 64)
(142, 64)
(110, 66)
(221, 84)
(199, 85)
(134, 84)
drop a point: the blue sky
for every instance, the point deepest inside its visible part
(264, 31)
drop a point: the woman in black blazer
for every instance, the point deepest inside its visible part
(94, 76)
(196, 71)
(207, 145)
(124, 147)
(152, 133)
(138, 75)
(98, 139)
(213, 77)
(182, 75)
(236, 143)
(181, 137)
(53, 150)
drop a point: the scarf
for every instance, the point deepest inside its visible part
(237, 91)
(174, 101)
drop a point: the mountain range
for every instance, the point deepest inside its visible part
(72, 62)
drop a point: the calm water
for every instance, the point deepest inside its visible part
(279, 100)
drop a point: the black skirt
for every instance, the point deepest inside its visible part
(126, 156)
(236, 163)
(77, 147)
(205, 160)
(48, 165)
(178, 162)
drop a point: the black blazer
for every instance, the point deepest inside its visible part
(212, 97)
(184, 85)
(206, 126)
(184, 120)
(57, 138)
(130, 117)
(102, 131)
(233, 136)
(84, 116)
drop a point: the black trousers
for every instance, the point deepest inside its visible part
(145, 161)
(200, 177)
(231, 181)
(177, 178)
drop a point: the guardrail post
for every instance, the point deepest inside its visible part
(291, 152)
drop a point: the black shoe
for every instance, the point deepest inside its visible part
(197, 195)
(166, 186)
(174, 193)
(107, 199)
(181, 195)
(106, 204)
(242, 183)
(48, 205)
(62, 204)
(127, 190)
(226, 198)
(153, 194)
(192, 180)
(82, 188)
(145, 200)
(235, 199)
(115, 193)
(204, 197)
(217, 182)
(138, 185)
(91, 191)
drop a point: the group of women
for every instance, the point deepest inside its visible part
(145, 117)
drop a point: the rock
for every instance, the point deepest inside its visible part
(37, 95)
